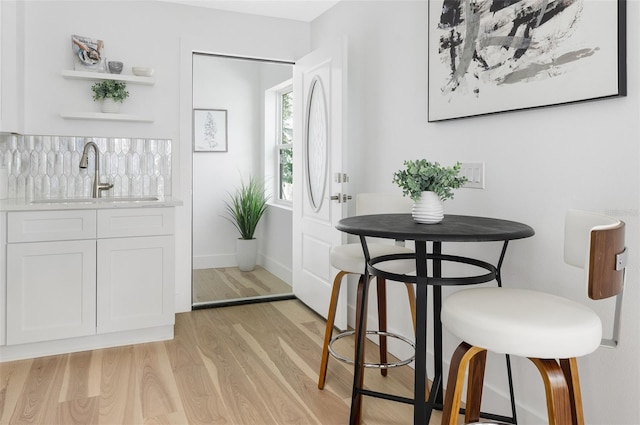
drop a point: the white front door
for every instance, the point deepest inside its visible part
(319, 85)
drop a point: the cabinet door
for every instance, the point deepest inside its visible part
(51, 290)
(135, 283)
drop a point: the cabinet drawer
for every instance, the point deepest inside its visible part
(43, 226)
(135, 222)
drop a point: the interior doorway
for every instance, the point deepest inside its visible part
(235, 90)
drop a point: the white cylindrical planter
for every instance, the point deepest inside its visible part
(428, 209)
(110, 106)
(246, 254)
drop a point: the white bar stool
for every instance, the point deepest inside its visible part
(540, 326)
(349, 259)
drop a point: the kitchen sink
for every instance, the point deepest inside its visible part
(95, 200)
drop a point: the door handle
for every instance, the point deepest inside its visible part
(341, 197)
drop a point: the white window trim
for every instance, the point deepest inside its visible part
(273, 128)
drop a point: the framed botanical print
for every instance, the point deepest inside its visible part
(210, 130)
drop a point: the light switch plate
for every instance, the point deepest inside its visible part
(474, 172)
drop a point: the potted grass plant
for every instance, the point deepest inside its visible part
(245, 208)
(429, 184)
(111, 93)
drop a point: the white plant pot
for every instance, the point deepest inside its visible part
(428, 209)
(110, 106)
(246, 254)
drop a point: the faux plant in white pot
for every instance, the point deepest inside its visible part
(111, 93)
(429, 184)
(247, 206)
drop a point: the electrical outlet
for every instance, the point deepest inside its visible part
(474, 172)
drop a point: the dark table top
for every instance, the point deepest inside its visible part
(454, 228)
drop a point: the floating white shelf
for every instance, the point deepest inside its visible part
(85, 75)
(105, 117)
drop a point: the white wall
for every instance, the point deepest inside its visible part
(232, 85)
(156, 34)
(12, 63)
(538, 164)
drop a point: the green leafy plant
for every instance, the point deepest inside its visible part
(116, 90)
(421, 175)
(247, 206)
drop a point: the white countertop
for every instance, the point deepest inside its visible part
(86, 203)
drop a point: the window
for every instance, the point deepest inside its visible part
(285, 145)
(279, 142)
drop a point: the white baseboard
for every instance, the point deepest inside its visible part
(84, 343)
(214, 261)
(276, 268)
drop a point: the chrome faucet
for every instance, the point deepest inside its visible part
(84, 163)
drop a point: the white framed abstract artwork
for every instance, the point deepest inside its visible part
(488, 56)
(210, 130)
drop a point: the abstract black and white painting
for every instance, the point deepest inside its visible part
(489, 56)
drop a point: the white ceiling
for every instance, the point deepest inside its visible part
(299, 10)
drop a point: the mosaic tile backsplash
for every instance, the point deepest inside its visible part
(42, 167)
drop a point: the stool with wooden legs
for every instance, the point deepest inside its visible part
(349, 259)
(549, 330)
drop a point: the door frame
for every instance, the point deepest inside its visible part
(182, 186)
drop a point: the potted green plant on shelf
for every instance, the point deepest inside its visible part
(111, 93)
(429, 184)
(246, 207)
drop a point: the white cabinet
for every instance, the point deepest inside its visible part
(51, 290)
(43, 226)
(121, 223)
(135, 277)
(135, 274)
(51, 280)
(88, 277)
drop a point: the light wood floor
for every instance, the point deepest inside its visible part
(248, 364)
(229, 283)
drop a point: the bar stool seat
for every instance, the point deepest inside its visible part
(522, 322)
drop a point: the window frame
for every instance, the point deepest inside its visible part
(273, 140)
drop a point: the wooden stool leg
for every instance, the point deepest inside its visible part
(382, 320)
(557, 391)
(570, 370)
(474, 387)
(459, 362)
(331, 316)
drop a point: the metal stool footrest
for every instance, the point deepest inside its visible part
(373, 365)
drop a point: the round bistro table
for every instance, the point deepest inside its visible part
(454, 228)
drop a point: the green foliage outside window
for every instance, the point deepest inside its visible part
(286, 138)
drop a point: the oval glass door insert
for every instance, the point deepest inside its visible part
(317, 146)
